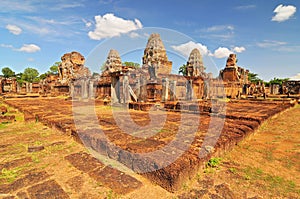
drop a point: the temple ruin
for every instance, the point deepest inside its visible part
(152, 83)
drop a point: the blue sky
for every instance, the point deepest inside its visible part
(263, 34)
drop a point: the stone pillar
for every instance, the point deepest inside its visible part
(143, 89)
(30, 87)
(84, 89)
(18, 88)
(72, 89)
(115, 90)
(91, 89)
(138, 87)
(27, 87)
(206, 89)
(165, 89)
(126, 89)
(173, 90)
(189, 89)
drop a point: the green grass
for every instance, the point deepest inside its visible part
(273, 183)
(214, 162)
(10, 175)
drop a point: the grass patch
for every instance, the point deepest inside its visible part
(275, 184)
(10, 175)
(214, 162)
(212, 165)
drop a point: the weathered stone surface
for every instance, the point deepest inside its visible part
(84, 162)
(195, 65)
(118, 181)
(35, 148)
(26, 181)
(155, 55)
(72, 67)
(241, 118)
(3, 110)
(15, 163)
(231, 60)
(49, 189)
(7, 118)
(22, 195)
(113, 62)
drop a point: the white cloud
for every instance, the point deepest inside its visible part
(11, 6)
(270, 43)
(283, 13)
(221, 32)
(296, 77)
(186, 48)
(245, 7)
(239, 49)
(219, 28)
(134, 35)
(29, 48)
(67, 6)
(30, 59)
(222, 52)
(6, 46)
(88, 24)
(14, 29)
(109, 25)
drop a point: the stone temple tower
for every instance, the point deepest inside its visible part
(113, 62)
(155, 55)
(195, 65)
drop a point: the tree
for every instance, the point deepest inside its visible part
(132, 64)
(103, 67)
(54, 68)
(183, 70)
(95, 74)
(253, 78)
(277, 81)
(7, 72)
(30, 75)
(43, 76)
(19, 78)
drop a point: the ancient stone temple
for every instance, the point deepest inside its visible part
(235, 78)
(155, 56)
(194, 64)
(113, 62)
(74, 77)
(72, 67)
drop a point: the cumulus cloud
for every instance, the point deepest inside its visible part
(222, 52)
(186, 48)
(14, 29)
(239, 49)
(296, 77)
(109, 25)
(29, 48)
(283, 13)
